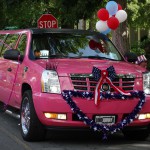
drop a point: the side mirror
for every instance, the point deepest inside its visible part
(12, 54)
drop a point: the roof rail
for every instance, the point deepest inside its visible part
(11, 28)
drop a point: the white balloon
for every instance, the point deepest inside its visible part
(101, 26)
(121, 15)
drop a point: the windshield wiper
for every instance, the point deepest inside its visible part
(57, 56)
(64, 56)
(94, 57)
(91, 57)
(74, 57)
(80, 57)
(98, 57)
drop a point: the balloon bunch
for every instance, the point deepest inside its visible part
(110, 17)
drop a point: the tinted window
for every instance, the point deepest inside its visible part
(61, 45)
(10, 42)
(22, 44)
(2, 41)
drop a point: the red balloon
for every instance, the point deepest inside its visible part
(119, 7)
(103, 14)
(93, 44)
(113, 23)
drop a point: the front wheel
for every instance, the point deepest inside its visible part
(31, 127)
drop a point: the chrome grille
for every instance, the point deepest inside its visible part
(86, 82)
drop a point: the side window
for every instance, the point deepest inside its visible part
(10, 42)
(2, 41)
(22, 44)
(40, 47)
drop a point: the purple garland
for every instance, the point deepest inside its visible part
(67, 95)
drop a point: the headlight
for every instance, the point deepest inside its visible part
(146, 82)
(50, 82)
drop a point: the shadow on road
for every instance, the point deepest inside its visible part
(87, 137)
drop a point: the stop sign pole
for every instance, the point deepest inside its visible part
(47, 21)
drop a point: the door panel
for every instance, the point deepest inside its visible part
(12, 74)
(3, 75)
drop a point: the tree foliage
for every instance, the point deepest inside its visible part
(138, 13)
(25, 13)
(72, 11)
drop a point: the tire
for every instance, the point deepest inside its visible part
(136, 134)
(31, 127)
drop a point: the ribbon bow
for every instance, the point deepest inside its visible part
(102, 76)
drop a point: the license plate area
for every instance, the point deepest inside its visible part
(105, 119)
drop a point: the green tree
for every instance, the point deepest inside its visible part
(138, 13)
(25, 13)
(120, 35)
(72, 11)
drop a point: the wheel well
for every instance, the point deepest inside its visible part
(25, 87)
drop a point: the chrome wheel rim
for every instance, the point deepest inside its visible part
(25, 116)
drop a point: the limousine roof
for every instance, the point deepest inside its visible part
(71, 31)
(54, 30)
(50, 30)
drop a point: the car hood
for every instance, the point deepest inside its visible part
(65, 67)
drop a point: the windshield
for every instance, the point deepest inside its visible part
(64, 45)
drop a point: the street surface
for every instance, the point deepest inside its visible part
(10, 139)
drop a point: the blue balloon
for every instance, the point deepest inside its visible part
(106, 31)
(112, 7)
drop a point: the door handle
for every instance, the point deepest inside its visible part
(9, 69)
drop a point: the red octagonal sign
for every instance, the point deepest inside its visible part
(47, 21)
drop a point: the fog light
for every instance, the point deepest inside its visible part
(55, 116)
(50, 115)
(148, 116)
(144, 116)
(141, 116)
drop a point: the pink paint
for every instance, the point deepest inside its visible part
(26, 74)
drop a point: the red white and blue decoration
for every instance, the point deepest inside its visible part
(110, 17)
(102, 76)
(141, 59)
(118, 94)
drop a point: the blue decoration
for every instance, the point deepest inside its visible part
(97, 73)
(106, 31)
(111, 73)
(105, 129)
(112, 7)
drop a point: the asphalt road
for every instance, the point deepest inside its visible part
(10, 139)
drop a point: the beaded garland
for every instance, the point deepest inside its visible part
(105, 129)
(108, 75)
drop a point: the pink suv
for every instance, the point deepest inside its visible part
(48, 75)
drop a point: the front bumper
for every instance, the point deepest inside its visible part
(55, 103)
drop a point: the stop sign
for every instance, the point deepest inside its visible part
(47, 21)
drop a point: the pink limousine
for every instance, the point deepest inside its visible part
(72, 79)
